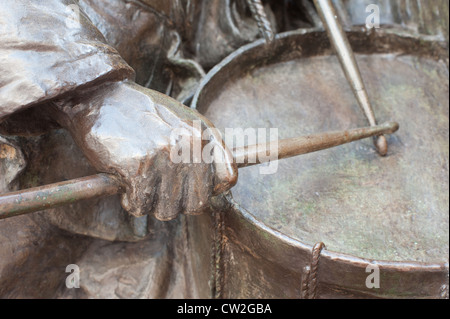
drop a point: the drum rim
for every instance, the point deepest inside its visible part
(437, 50)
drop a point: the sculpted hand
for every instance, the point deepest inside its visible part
(139, 134)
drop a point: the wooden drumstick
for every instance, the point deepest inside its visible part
(344, 52)
(58, 194)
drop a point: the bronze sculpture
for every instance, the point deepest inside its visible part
(178, 78)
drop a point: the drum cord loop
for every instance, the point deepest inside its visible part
(259, 14)
(310, 273)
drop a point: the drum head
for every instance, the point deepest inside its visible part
(393, 208)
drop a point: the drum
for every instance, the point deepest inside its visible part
(344, 222)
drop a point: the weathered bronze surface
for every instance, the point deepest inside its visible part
(390, 211)
(75, 101)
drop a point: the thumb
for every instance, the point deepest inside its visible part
(226, 170)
